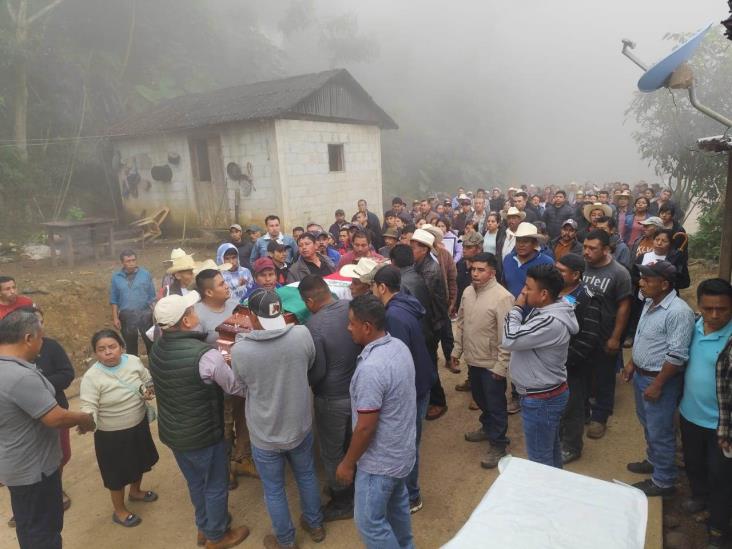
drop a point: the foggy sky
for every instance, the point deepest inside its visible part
(540, 85)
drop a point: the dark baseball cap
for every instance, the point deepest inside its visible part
(266, 305)
(574, 261)
(659, 269)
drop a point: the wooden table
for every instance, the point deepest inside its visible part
(79, 236)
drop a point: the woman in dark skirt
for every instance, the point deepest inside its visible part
(115, 390)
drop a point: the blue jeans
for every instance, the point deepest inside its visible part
(541, 418)
(206, 471)
(490, 396)
(604, 369)
(657, 420)
(381, 511)
(413, 477)
(271, 467)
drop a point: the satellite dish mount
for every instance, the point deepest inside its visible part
(673, 72)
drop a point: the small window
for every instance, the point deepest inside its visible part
(335, 158)
(201, 165)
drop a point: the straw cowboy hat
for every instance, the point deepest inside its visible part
(180, 261)
(587, 210)
(424, 237)
(210, 264)
(513, 210)
(435, 231)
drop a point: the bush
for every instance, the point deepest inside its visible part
(707, 241)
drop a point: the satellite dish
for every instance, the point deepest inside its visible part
(657, 76)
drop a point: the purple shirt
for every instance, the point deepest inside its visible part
(213, 369)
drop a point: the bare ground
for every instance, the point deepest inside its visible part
(452, 481)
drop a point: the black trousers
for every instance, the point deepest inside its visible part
(437, 393)
(39, 513)
(447, 339)
(709, 472)
(572, 426)
(490, 396)
(134, 323)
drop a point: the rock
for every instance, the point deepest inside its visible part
(676, 540)
(36, 252)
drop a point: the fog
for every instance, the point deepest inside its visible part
(540, 87)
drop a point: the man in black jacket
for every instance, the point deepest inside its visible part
(426, 266)
(587, 310)
(557, 213)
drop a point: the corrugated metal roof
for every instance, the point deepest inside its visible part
(285, 98)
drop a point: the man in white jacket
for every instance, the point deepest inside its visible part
(538, 346)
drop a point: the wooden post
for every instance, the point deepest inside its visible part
(725, 252)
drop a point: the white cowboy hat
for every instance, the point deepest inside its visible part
(529, 230)
(434, 231)
(513, 210)
(210, 264)
(356, 270)
(587, 209)
(180, 261)
(424, 237)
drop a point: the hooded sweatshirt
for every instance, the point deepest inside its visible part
(538, 346)
(233, 278)
(273, 366)
(403, 321)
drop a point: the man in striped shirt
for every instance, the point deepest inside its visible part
(660, 351)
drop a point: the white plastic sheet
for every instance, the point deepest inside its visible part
(534, 506)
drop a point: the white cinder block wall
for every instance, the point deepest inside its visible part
(252, 142)
(148, 151)
(290, 169)
(311, 192)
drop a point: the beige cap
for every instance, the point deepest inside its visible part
(170, 309)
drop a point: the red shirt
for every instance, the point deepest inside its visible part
(20, 302)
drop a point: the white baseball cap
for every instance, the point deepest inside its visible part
(170, 309)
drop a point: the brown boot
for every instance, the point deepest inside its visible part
(232, 538)
(244, 468)
(270, 542)
(491, 459)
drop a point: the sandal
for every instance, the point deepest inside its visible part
(129, 522)
(149, 497)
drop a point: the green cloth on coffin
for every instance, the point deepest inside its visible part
(293, 303)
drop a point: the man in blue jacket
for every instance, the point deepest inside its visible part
(403, 314)
(526, 254)
(272, 222)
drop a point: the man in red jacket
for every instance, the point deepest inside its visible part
(9, 298)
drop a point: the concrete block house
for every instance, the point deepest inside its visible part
(299, 147)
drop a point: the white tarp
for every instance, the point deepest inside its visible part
(534, 506)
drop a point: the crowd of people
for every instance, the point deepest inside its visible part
(535, 292)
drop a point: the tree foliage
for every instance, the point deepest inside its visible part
(669, 127)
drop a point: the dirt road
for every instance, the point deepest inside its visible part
(452, 485)
(452, 481)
